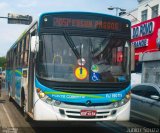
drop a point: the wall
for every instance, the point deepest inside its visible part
(142, 6)
(137, 11)
(151, 67)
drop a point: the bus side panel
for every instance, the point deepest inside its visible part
(25, 85)
(11, 82)
(18, 85)
(8, 79)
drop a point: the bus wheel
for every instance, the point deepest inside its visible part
(9, 95)
(26, 116)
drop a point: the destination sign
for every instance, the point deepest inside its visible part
(85, 23)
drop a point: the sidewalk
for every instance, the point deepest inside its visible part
(4, 122)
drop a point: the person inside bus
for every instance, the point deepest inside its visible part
(107, 76)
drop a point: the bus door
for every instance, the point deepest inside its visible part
(13, 74)
(31, 78)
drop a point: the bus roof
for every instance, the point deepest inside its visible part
(80, 12)
(67, 12)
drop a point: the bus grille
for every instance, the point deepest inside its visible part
(83, 104)
(76, 114)
(82, 117)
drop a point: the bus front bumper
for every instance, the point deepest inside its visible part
(47, 112)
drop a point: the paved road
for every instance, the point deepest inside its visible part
(12, 121)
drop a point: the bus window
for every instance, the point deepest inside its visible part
(26, 50)
(16, 56)
(21, 54)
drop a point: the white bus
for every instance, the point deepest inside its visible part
(72, 66)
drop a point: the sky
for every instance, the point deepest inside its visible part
(9, 33)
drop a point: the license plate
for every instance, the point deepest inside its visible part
(88, 113)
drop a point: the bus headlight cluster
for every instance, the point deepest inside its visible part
(44, 97)
(40, 93)
(47, 99)
(123, 101)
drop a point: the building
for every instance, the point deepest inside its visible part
(150, 67)
(145, 32)
(146, 36)
(146, 10)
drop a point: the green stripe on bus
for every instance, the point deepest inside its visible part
(19, 72)
(91, 96)
(113, 100)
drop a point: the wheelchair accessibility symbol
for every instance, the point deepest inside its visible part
(95, 76)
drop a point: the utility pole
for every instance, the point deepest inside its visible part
(117, 8)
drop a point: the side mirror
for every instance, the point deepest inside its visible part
(34, 44)
(155, 97)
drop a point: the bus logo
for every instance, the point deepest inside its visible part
(88, 103)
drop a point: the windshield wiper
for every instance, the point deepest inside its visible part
(71, 44)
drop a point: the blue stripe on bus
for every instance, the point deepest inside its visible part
(82, 98)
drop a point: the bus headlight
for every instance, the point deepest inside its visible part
(128, 96)
(123, 101)
(47, 99)
(41, 95)
(44, 97)
(115, 104)
(57, 103)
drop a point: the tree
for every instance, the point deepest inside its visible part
(3, 62)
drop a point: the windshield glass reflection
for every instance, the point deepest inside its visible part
(105, 59)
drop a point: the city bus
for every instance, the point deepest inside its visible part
(72, 66)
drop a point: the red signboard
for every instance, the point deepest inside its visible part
(146, 36)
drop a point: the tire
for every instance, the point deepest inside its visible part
(10, 99)
(9, 94)
(27, 117)
(23, 107)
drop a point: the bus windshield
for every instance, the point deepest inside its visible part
(105, 59)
